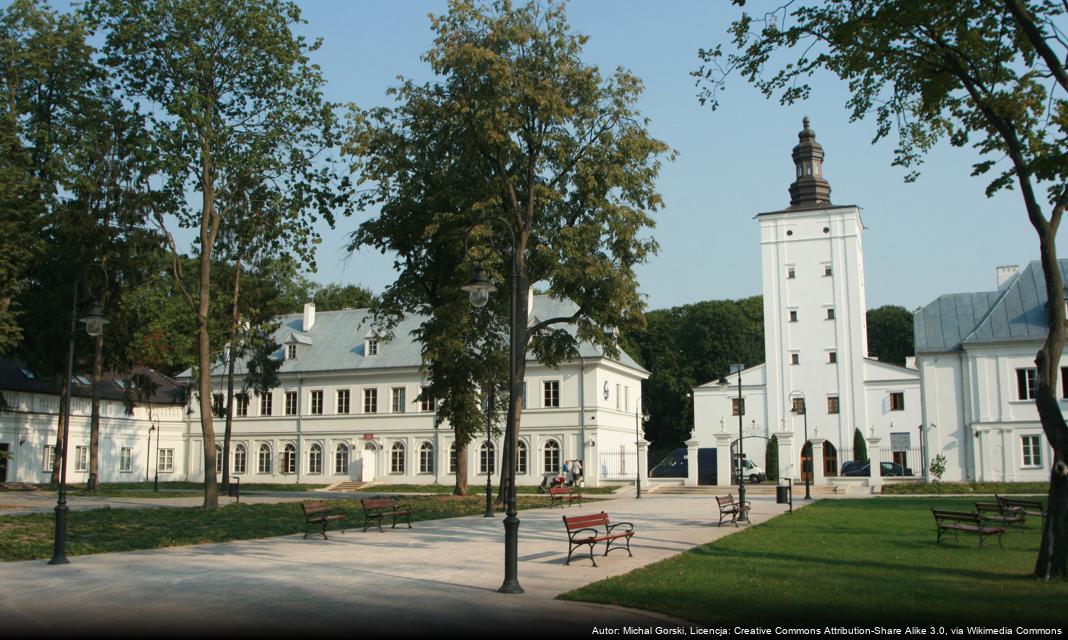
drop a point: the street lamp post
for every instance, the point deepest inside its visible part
(148, 452)
(637, 452)
(804, 411)
(479, 290)
(155, 482)
(744, 515)
(489, 456)
(94, 326)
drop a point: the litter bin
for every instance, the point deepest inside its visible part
(784, 494)
(92, 482)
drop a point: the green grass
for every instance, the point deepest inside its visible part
(472, 489)
(107, 530)
(989, 488)
(837, 562)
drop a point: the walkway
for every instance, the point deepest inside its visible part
(440, 576)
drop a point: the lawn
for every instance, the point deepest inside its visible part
(868, 562)
(107, 530)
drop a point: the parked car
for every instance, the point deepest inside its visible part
(857, 468)
(753, 473)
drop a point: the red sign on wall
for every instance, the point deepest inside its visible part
(368, 436)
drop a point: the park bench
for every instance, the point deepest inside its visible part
(317, 516)
(586, 530)
(997, 512)
(729, 508)
(964, 521)
(1026, 507)
(557, 494)
(377, 508)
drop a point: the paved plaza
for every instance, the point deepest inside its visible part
(439, 577)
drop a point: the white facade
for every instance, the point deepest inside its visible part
(976, 357)
(815, 344)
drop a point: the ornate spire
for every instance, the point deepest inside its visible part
(809, 189)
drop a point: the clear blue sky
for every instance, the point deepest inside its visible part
(939, 235)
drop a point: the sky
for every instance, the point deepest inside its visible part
(937, 235)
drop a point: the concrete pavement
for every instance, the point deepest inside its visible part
(439, 577)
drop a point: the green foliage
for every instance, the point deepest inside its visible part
(771, 458)
(890, 336)
(938, 467)
(860, 446)
(334, 297)
(872, 560)
(691, 345)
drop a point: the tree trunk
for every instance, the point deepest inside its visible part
(61, 428)
(461, 472)
(94, 420)
(231, 361)
(209, 228)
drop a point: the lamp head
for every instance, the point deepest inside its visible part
(95, 321)
(479, 288)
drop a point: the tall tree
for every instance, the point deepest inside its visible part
(237, 99)
(890, 337)
(536, 139)
(984, 73)
(335, 296)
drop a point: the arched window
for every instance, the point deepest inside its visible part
(289, 459)
(552, 457)
(341, 459)
(426, 458)
(265, 459)
(396, 458)
(521, 458)
(452, 458)
(240, 458)
(486, 456)
(315, 459)
(218, 458)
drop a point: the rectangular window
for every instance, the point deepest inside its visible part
(830, 313)
(737, 406)
(397, 399)
(165, 460)
(266, 403)
(619, 395)
(1025, 383)
(827, 270)
(342, 400)
(125, 460)
(370, 400)
(291, 403)
(795, 358)
(832, 404)
(798, 406)
(793, 315)
(1032, 451)
(372, 347)
(897, 400)
(626, 399)
(242, 404)
(1064, 382)
(426, 401)
(790, 273)
(291, 352)
(551, 393)
(49, 462)
(452, 459)
(317, 402)
(81, 459)
(832, 357)
(218, 409)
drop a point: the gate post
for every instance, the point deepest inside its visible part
(691, 462)
(723, 459)
(787, 463)
(817, 460)
(875, 464)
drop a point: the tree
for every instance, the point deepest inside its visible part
(515, 128)
(860, 446)
(890, 337)
(334, 297)
(984, 73)
(238, 103)
(771, 458)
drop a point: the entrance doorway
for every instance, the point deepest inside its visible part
(806, 462)
(4, 449)
(367, 463)
(830, 461)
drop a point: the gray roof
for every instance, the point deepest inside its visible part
(1013, 313)
(336, 340)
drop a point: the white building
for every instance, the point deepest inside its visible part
(29, 427)
(815, 345)
(349, 408)
(976, 357)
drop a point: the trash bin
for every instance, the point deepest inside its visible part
(92, 482)
(782, 494)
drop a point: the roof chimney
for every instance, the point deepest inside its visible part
(309, 316)
(1005, 273)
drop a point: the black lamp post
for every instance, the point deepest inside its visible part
(479, 289)
(148, 452)
(637, 451)
(489, 456)
(804, 411)
(155, 481)
(744, 515)
(94, 326)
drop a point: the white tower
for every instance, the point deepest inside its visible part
(815, 330)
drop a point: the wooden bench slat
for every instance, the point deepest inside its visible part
(316, 512)
(590, 524)
(378, 508)
(972, 522)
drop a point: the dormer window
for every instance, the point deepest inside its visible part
(371, 348)
(291, 352)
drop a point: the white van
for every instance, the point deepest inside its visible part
(753, 473)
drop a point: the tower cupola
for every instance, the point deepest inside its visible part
(809, 189)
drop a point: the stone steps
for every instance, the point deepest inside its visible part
(18, 486)
(347, 487)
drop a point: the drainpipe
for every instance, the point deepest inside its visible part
(300, 410)
(582, 411)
